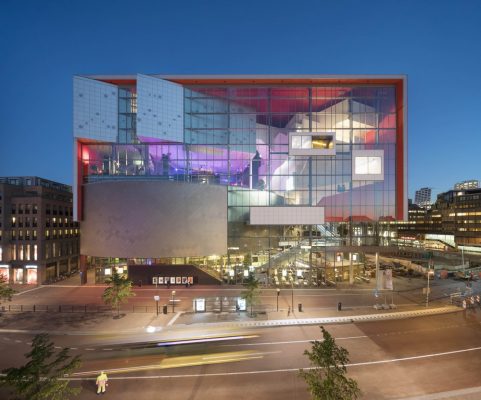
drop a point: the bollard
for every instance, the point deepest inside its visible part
(164, 308)
(299, 307)
(339, 306)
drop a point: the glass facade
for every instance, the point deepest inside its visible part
(326, 146)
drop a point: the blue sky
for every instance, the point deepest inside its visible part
(436, 43)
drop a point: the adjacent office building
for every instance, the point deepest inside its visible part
(282, 174)
(471, 184)
(39, 240)
(422, 197)
(453, 221)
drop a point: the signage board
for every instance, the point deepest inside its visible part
(199, 305)
(241, 304)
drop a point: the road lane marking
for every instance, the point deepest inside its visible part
(250, 354)
(258, 372)
(171, 322)
(185, 361)
(26, 291)
(446, 395)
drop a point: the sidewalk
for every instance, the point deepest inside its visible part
(136, 323)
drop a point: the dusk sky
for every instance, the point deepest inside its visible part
(436, 43)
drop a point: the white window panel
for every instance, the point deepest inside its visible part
(368, 165)
(286, 215)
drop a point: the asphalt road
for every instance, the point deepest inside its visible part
(389, 359)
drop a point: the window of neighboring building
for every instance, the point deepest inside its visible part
(34, 235)
(13, 234)
(34, 222)
(28, 208)
(1, 253)
(35, 252)
(14, 209)
(14, 222)
(34, 209)
(20, 208)
(48, 209)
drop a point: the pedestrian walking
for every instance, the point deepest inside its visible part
(101, 382)
(289, 311)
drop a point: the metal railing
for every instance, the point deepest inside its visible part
(75, 308)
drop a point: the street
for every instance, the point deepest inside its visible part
(389, 359)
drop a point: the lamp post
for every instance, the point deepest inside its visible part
(278, 292)
(157, 298)
(427, 291)
(292, 294)
(173, 300)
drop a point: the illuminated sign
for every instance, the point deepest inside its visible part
(241, 304)
(199, 305)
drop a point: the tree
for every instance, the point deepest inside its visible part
(252, 292)
(326, 377)
(119, 290)
(41, 377)
(6, 292)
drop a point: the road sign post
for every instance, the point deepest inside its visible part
(157, 298)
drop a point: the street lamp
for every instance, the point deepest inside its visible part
(428, 289)
(173, 300)
(157, 298)
(278, 292)
(292, 294)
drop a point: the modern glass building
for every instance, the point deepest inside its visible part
(286, 175)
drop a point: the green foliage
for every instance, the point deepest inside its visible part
(252, 292)
(326, 377)
(118, 291)
(247, 260)
(39, 378)
(6, 292)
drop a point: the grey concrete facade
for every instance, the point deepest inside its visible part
(146, 218)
